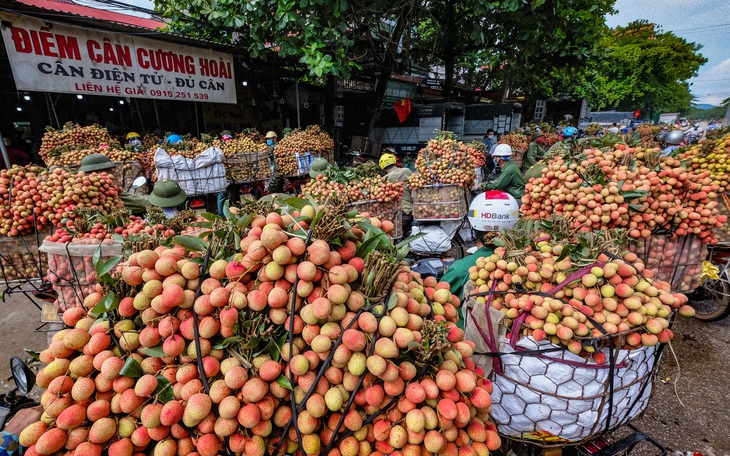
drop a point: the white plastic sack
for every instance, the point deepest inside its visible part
(479, 179)
(550, 401)
(436, 240)
(197, 176)
(304, 163)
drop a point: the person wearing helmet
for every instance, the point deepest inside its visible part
(510, 178)
(674, 140)
(226, 135)
(134, 141)
(99, 162)
(569, 132)
(319, 166)
(489, 213)
(271, 138)
(534, 154)
(167, 195)
(173, 139)
(389, 164)
(286, 131)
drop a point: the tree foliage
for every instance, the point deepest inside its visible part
(522, 43)
(477, 41)
(639, 67)
(328, 37)
(716, 112)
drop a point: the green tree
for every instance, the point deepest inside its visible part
(639, 67)
(521, 40)
(518, 44)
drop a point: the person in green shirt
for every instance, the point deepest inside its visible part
(489, 213)
(510, 178)
(534, 154)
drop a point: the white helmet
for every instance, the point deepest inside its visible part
(493, 210)
(502, 150)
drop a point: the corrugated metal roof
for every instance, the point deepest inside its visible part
(65, 6)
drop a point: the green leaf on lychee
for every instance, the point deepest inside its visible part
(163, 392)
(131, 368)
(284, 382)
(392, 301)
(153, 351)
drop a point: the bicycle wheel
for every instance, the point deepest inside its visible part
(457, 248)
(714, 300)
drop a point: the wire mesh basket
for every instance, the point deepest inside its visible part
(383, 210)
(676, 261)
(247, 167)
(723, 233)
(125, 172)
(518, 156)
(20, 260)
(447, 202)
(71, 269)
(559, 398)
(545, 395)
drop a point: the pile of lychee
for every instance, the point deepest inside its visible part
(629, 188)
(375, 188)
(312, 139)
(710, 156)
(72, 143)
(444, 161)
(281, 352)
(608, 297)
(37, 198)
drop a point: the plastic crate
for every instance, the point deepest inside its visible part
(71, 269)
(247, 167)
(383, 211)
(20, 260)
(447, 202)
(676, 261)
(366, 146)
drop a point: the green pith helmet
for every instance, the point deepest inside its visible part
(95, 162)
(319, 165)
(535, 171)
(226, 133)
(273, 198)
(536, 135)
(167, 193)
(286, 131)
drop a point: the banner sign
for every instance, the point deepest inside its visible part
(49, 57)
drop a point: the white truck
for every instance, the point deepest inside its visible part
(668, 118)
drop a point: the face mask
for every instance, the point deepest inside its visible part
(490, 136)
(269, 142)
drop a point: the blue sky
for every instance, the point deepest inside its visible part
(706, 23)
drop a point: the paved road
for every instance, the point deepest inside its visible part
(688, 411)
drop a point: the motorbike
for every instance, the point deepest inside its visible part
(17, 399)
(711, 300)
(137, 184)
